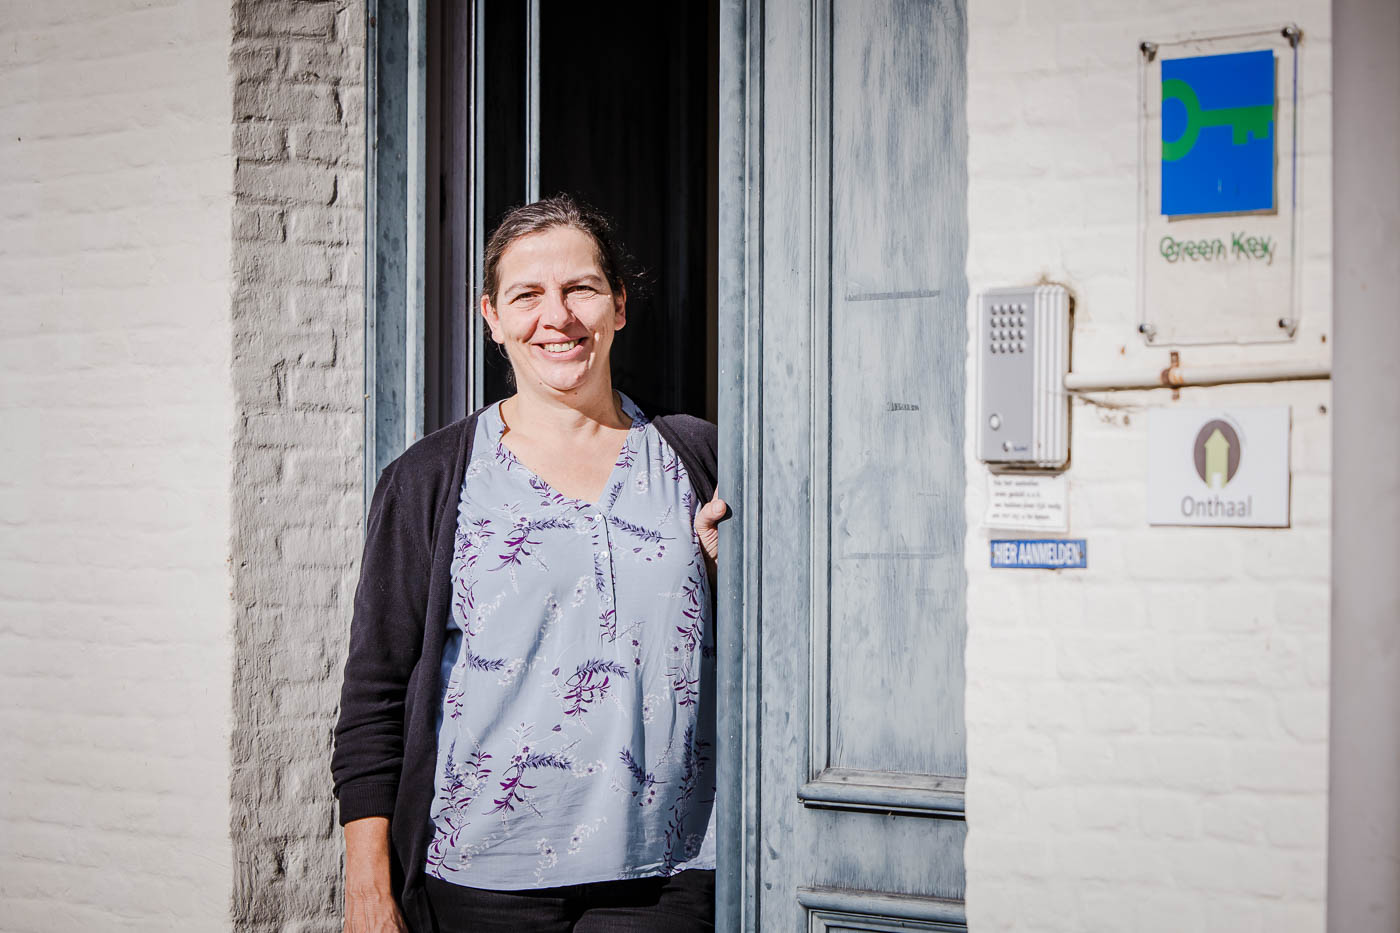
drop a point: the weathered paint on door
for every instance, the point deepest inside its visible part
(843, 198)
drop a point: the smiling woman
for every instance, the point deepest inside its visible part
(554, 273)
(527, 722)
(553, 302)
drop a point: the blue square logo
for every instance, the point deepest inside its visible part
(1218, 134)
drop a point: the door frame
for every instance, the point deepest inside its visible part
(398, 134)
(740, 299)
(743, 38)
(395, 201)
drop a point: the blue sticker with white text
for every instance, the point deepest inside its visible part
(1041, 553)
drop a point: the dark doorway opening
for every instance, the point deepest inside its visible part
(622, 100)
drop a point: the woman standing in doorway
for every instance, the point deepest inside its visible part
(526, 738)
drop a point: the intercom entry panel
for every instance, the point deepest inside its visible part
(1023, 350)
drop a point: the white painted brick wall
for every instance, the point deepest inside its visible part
(298, 312)
(116, 413)
(1146, 738)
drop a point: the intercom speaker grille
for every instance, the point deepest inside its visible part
(1023, 348)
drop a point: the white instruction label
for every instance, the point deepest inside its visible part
(1029, 501)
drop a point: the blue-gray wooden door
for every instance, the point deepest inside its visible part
(843, 293)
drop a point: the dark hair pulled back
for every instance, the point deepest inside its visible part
(560, 210)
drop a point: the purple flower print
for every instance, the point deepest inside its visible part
(690, 635)
(478, 663)
(692, 630)
(519, 545)
(468, 548)
(549, 497)
(692, 762)
(441, 845)
(461, 781)
(607, 621)
(645, 781)
(684, 682)
(643, 777)
(613, 493)
(686, 688)
(464, 598)
(505, 457)
(514, 787)
(600, 572)
(639, 532)
(645, 535)
(671, 466)
(452, 701)
(589, 684)
(470, 542)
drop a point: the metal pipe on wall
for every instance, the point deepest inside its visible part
(1175, 376)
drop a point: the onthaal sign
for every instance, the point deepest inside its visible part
(1218, 467)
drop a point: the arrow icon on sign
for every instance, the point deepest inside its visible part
(1217, 460)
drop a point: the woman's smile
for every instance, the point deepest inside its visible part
(565, 349)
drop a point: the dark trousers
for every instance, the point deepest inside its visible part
(682, 903)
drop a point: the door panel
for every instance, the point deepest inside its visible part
(854, 655)
(895, 315)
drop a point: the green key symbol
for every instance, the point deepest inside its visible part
(1243, 121)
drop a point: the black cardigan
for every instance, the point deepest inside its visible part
(386, 738)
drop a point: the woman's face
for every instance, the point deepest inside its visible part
(554, 312)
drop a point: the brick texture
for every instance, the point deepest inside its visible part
(116, 410)
(298, 230)
(1147, 738)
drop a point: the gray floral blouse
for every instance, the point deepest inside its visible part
(576, 738)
